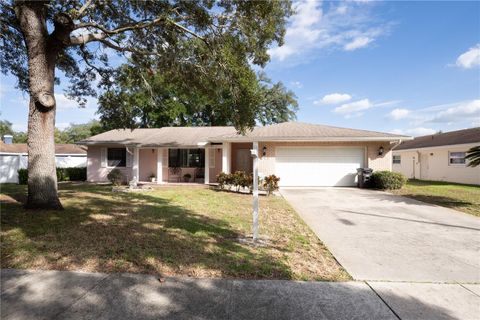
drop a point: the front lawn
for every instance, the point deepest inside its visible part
(170, 231)
(460, 197)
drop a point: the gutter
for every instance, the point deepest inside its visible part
(302, 139)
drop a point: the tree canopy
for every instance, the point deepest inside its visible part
(150, 99)
(202, 43)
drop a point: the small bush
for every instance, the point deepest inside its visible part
(115, 177)
(22, 176)
(76, 174)
(270, 183)
(387, 180)
(63, 174)
(222, 180)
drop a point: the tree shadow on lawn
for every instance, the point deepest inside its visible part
(122, 232)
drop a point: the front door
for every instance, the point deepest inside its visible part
(243, 161)
(424, 166)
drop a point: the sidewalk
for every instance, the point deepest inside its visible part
(78, 295)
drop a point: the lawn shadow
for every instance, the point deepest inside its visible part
(133, 232)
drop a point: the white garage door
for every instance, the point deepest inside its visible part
(321, 166)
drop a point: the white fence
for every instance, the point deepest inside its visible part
(10, 163)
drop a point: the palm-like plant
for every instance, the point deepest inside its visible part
(473, 156)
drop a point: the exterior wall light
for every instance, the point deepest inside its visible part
(380, 151)
(264, 149)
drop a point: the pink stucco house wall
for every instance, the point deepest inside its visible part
(300, 154)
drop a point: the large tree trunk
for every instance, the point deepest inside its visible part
(42, 178)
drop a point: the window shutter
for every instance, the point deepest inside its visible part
(129, 162)
(103, 157)
(165, 158)
(211, 157)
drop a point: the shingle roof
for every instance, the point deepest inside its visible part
(60, 148)
(305, 131)
(443, 139)
(192, 136)
(158, 137)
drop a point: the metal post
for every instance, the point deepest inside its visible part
(255, 192)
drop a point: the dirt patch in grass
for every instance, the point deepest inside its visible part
(465, 198)
(169, 231)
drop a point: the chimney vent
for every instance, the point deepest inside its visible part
(8, 139)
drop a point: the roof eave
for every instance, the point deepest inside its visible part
(458, 145)
(311, 139)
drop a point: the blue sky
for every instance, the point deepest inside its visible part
(403, 67)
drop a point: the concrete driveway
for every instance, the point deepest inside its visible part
(380, 236)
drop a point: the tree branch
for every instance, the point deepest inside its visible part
(137, 26)
(80, 12)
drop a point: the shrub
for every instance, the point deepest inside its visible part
(221, 179)
(238, 180)
(22, 176)
(387, 180)
(115, 177)
(63, 174)
(270, 183)
(76, 174)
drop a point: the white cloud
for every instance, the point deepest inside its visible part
(354, 107)
(64, 103)
(399, 113)
(316, 25)
(19, 127)
(296, 84)
(469, 59)
(420, 131)
(62, 125)
(334, 98)
(357, 43)
(458, 112)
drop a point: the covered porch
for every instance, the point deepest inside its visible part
(188, 165)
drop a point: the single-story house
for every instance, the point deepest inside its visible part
(439, 157)
(300, 154)
(14, 156)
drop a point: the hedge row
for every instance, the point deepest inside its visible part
(63, 174)
(240, 179)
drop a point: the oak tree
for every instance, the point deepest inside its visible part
(78, 38)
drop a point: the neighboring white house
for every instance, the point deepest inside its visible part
(14, 156)
(438, 157)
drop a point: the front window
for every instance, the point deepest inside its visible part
(117, 157)
(186, 158)
(397, 159)
(456, 158)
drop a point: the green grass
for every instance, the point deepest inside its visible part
(465, 198)
(170, 231)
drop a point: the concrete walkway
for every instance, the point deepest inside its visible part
(379, 236)
(79, 295)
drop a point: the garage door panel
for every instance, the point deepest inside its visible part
(305, 167)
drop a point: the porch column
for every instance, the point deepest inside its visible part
(135, 166)
(255, 191)
(207, 165)
(226, 156)
(160, 152)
